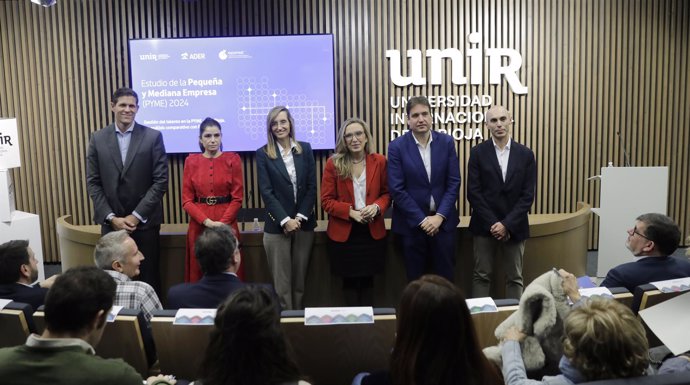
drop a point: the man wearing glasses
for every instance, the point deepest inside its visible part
(652, 240)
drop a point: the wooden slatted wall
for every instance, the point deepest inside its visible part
(602, 76)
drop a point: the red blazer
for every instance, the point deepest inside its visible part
(337, 196)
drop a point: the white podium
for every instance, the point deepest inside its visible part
(626, 193)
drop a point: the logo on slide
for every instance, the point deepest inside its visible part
(223, 55)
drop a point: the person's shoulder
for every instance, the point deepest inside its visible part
(377, 157)
(305, 145)
(109, 129)
(112, 370)
(521, 147)
(231, 156)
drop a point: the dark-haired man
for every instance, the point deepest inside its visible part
(76, 310)
(218, 253)
(424, 182)
(126, 176)
(652, 240)
(18, 272)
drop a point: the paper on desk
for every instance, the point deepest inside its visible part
(195, 317)
(4, 302)
(673, 285)
(481, 305)
(669, 321)
(338, 315)
(114, 311)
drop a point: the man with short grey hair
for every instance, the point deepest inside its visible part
(119, 256)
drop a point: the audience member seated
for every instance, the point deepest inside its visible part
(247, 345)
(652, 240)
(603, 340)
(218, 253)
(76, 310)
(18, 271)
(436, 342)
(118, 255)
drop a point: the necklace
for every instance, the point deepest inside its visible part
(359, 161)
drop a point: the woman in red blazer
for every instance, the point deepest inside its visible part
(354, 193)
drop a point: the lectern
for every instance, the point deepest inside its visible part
(626, 193)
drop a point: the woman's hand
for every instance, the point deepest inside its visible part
(209, 223)
(356, 215)
(514, 334)
(369, 212)
(291, 226)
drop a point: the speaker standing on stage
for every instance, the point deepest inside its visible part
(287, 182)
(212, 191)
(501, 179)
(355, 195)
(126, 176)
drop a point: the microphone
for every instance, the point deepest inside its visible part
(626, 158)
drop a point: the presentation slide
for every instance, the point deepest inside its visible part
(235, 80)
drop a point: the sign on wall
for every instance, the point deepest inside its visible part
(9, 144)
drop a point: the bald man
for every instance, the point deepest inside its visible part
(501, 179)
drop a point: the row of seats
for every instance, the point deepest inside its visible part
(327, 354)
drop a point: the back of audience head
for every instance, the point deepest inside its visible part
(661, 230)
(217, 249)
(247, 345)
(76, 298)
(604, 339)
(436, 341)
(13, 255)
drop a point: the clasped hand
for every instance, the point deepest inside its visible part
(292, 225)
(432, 224)
(365, 215)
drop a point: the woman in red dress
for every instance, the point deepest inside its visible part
(212, 191)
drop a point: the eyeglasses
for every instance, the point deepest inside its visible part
(358, 134)
(634, 231)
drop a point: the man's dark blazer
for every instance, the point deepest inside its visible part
(276, 188)
(650, 269)
(410, 187)
(494, 200)
(33, 295)
(209, 292)
(137, 185)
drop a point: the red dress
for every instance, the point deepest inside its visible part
(210, 177)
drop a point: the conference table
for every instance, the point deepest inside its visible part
(557, 240)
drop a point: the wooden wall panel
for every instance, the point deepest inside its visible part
(608, 81)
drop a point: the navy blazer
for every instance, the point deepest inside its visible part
(276, 188)
(33, 295)
(494, 200)
(410, 187)
(650, 269)
(209, 292)
(137, 185)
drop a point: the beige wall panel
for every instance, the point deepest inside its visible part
(603, 76)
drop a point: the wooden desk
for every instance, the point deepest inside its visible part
(558, 240)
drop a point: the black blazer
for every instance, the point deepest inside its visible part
(137, 185)
(494, 200)
(208, 293)
(276, 188)
(33, 295)
(650, 269)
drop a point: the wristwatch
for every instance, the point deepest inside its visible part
(108, 221)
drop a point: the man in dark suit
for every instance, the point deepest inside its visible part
(424, 182)
(126, 176)
(652, 240)
(218, 253)
(501, 179)
(18, 272)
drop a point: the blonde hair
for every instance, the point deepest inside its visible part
(604, 340)
(342, 159)
(270, 148)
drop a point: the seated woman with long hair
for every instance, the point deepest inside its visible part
(247, 345)
(603, 340)
(436, 342)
